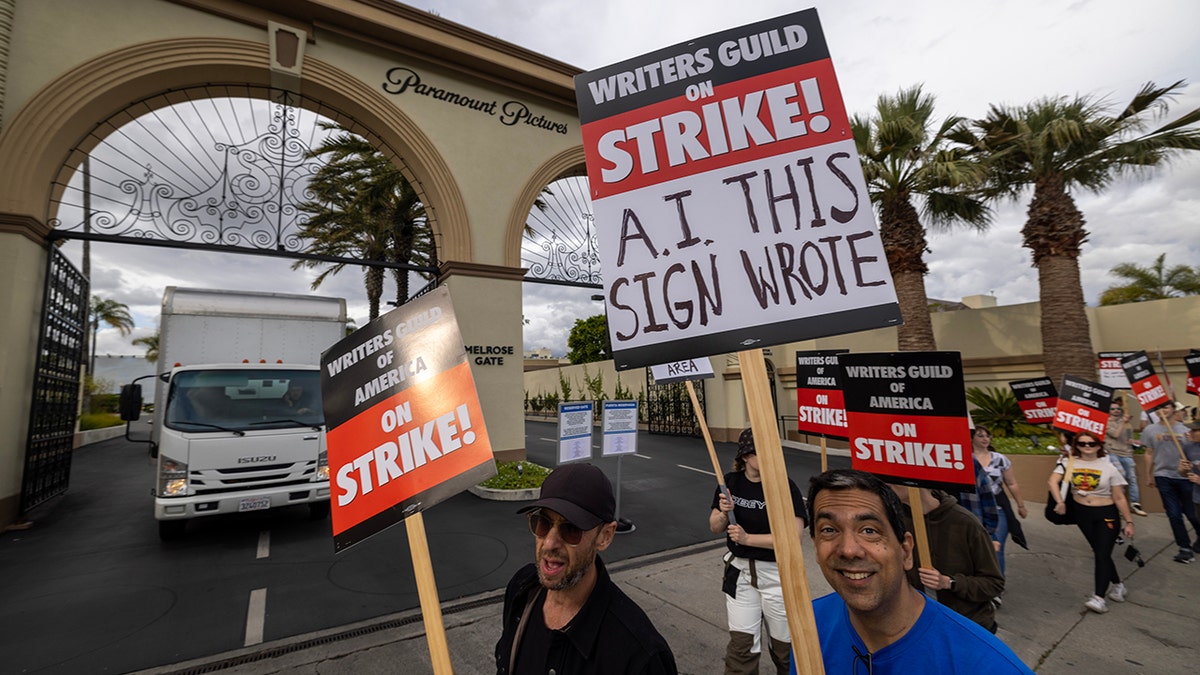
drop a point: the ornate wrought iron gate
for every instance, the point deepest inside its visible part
(55, 383)
(669, 408)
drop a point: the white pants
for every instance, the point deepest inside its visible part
(746, 611)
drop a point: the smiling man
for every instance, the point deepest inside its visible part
(875, 621)
(562, 613)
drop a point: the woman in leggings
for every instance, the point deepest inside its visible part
(1099, 506)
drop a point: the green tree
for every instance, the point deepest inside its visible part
(1059, 145)
(364, 207)
(997, 409)
(589, 341)
(907, 159)
(111, 313)
(150, 342)
(1155, 282)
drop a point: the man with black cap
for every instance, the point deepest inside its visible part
(563, 613)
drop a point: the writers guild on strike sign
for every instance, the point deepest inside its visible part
(1083, 406)
(820, 408)
(1037, 399)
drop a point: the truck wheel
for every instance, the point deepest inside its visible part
(170, 530)
(318, 510)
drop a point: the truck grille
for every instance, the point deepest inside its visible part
(212, 481)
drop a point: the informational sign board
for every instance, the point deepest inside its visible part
(1037, 398)
(820, 408)
(618, 422)
(699, 368)
(730, 205)
(406, 430)
(1146, 386)
(574, 431)
(907, 417)
(1111, 373)
(1083, 406)
(1192, 360)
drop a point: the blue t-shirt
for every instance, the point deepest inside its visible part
(942, 641)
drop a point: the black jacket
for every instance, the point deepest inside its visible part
(611, 635)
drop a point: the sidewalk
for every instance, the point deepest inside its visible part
(1042, 619)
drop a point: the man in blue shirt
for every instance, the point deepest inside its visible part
(875, 621)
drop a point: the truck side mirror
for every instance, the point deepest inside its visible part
(130, 404)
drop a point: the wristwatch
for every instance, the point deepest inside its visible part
(953, 584)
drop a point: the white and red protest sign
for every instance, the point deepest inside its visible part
(1037, 399)
(1146, 386)
(907, 416)
(1112, 374)
(820, 408)
(1083, 406)
(730, 204)
(1192, 360)
(406, 429)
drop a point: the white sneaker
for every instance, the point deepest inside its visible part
(1137, 509)
(1116, 593)
(1096, 604)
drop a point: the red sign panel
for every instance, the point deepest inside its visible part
(1083, 406)
(820, 406)
(1037, 399)
(1144, 382)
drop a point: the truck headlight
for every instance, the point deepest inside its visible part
(322, 466)
(172, 478)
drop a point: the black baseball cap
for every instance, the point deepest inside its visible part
(746, 443)
(581, 493)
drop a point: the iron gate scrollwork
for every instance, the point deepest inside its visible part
(669, 408)
(55, 383)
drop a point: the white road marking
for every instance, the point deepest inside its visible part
(264, 545)
(641, 455)
(256, 615)
(549, 440)
(689, 468)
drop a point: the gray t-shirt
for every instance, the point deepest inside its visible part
(1166, 455)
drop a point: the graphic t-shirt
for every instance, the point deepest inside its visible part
(995, 470)
(750, 509)
(1094, 477)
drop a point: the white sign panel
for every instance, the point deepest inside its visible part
(574, 431)
(730, 205)
(678, 371)
(619, 423)
(1112, 373)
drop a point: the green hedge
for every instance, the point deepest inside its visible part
(89, 421)
(516, 476)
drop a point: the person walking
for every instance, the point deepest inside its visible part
(752, 585)
(1099, 505)
(1162, 463)
(1118, 438)
(999, 470)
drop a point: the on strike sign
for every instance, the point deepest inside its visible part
(820, 408)
(907, 416)
(1037, 399)
(405, 426)
(1193, 366)
(730, 204)
(1144, 382)
(1083, 406)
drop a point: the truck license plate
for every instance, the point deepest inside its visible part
(254, 504)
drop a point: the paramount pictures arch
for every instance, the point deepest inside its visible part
(73, 64)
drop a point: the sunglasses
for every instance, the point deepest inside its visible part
(540, 525)
(1087, 444)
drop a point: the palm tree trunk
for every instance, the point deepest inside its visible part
(1066, 335)
(916, 334)
(374, 290)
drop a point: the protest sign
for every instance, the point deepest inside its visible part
(1037, 399)
(1111, 373)
(618, 426)
(1192, 360)
(574, 431)
(679, 371)
(730, 205)
(820, 408)
(1146, 386)
(405, 428)
(907, 417)
(1083, 406)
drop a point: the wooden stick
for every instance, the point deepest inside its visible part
(781, 514)
(916, 505)
(431, 609)
(824, 457)
(712, 453)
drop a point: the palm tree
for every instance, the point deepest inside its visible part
(1056, 145)
(905, 158)
(150, 342)
(114, 314)
(364, 208)
(1151, 283)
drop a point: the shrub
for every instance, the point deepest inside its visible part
(88, 421)
(516, 476)
(996, 408)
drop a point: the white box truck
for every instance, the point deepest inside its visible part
(238, 424)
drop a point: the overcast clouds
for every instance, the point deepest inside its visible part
(969, 54)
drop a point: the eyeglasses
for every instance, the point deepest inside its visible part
(1087, 444)
(865, 659)
(540, 525)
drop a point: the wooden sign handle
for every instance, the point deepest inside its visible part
(802, 624)
(712, 453)
(431, 609)
(917, 507)
(824, 456)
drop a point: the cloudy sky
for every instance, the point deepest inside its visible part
(969, 54)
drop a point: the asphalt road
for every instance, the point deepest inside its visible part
(91, 588)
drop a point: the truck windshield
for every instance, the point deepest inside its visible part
(244, 399)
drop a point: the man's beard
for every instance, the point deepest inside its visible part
(568, 581)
